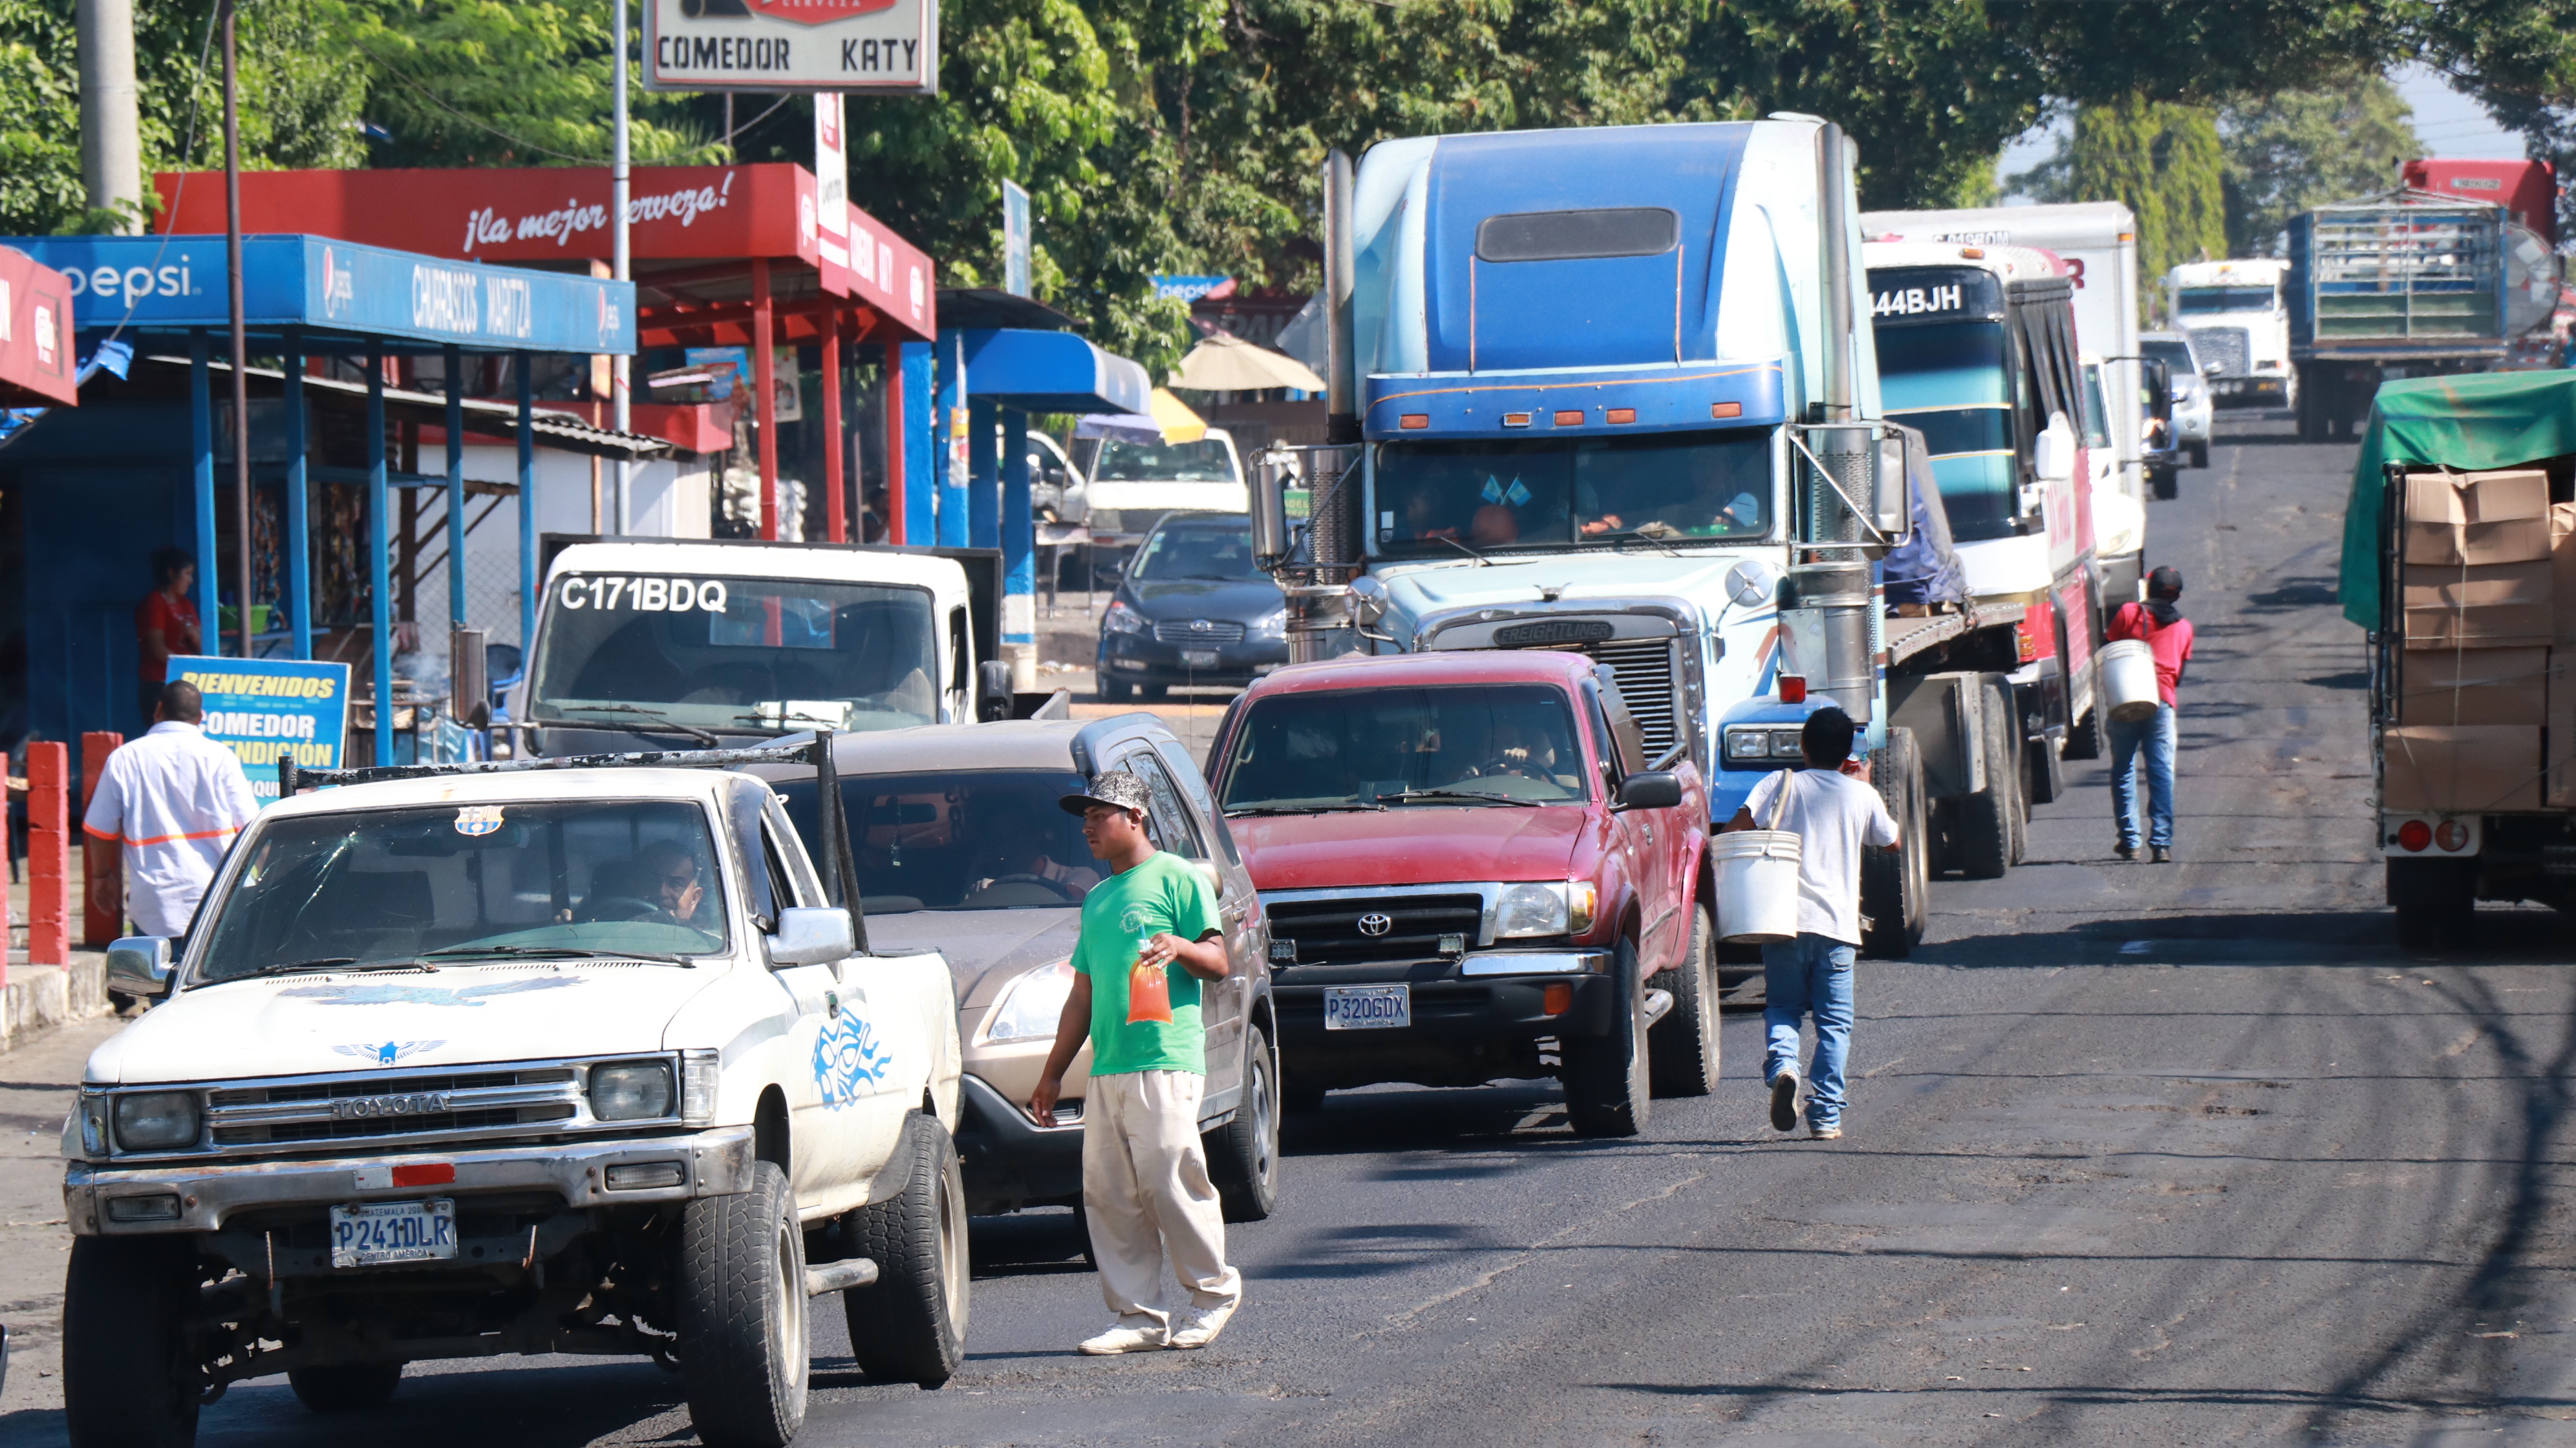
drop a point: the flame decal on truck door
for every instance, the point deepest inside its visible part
(848, 1060)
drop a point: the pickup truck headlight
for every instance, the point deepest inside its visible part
(631, 1091)
(1031, 1005)
(1122, 619)
(1544, 909)
(156, 1120)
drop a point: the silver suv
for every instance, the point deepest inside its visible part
(960, 845)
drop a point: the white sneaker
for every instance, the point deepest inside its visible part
(1119, 1339)
(1201, 1328)
(1784, 1099)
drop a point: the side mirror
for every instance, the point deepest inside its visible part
(811, 935)
(139, 965)
(1655, 789)
(2054, 456)
(1895, 508)
(992, 690)
(469, 688)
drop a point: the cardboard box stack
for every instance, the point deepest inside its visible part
(2489, 581)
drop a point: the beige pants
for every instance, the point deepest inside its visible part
(1145, 1187)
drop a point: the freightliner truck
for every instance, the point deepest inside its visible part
(1613, 390)
(2406, 284)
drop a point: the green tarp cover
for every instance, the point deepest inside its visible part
(2472, 423)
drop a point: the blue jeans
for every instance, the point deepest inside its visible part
(2154, 739)
(1811, 975)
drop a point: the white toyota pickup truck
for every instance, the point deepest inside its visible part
(563, 1056)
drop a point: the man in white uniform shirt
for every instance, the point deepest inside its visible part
(1834, 817)
(168, 804)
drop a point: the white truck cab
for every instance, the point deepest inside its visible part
(2239, 326)
(517, 1058)
(646, 643)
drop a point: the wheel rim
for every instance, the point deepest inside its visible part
(955, 1271)
(1265, 1120)
(790, 1289)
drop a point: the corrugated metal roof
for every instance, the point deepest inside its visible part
(559, 430)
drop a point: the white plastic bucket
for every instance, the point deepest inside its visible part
(2129, 679)
(1757, 886)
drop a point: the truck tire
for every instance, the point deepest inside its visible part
(744, 1342)
(2165, 485)
(2200, 455)
(2435, 901)
(2084, 737)
(2044, 781)
(911, 1326)
(2012, 752)
(126, 1383)
(1243, 1154)
(1981, 826)
(1892, 887)
(1607, 1077)
(1682, 1058)
(345, 1387)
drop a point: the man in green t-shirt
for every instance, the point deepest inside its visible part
(1145, 1181)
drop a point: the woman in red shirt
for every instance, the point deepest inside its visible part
(165, 623)
(2160, 624)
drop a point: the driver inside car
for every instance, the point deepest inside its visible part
(1032, 862)
(661, 884)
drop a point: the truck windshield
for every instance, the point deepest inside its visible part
(1372, 747)
(2195, 301)
(457, 883)
(2176, 355)
(1215, 551)
(1204, 461)
(977, 840)
(1597, 490)
(1950, 380)
(753, 655)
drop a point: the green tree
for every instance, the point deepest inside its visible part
(2160, 159)
(2298, 149)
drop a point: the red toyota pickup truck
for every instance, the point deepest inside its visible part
(1473, 873)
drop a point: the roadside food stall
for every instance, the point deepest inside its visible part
(723, 256)
(100, 488)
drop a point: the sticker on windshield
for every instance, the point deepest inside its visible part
(478, 819)
(643, 595)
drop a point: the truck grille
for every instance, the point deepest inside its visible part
(1644, 668)
(1330, 930)
(2230, 347)
(1198, 631)
(1645, 671)
(284, 1113)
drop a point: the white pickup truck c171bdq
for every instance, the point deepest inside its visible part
(563, 1056)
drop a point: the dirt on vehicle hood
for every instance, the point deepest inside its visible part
(299, 1025)
(1408, 845)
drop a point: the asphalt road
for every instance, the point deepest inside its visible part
(2139, 1154)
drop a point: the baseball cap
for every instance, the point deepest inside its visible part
(2165, 583)
(1118, 788)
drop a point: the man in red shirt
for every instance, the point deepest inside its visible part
(2160, 624)
(165, 623)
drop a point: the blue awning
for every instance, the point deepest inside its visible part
(1049, 372)
(336, 295)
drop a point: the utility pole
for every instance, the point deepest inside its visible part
(621, 264)
(111, 140)
(241, 348)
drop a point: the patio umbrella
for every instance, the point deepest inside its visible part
(1227, 363)
(1179, 423)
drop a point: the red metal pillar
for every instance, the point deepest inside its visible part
(99, 928)
(49, 856)
(764, 403)
(896, 499)
(836, 517)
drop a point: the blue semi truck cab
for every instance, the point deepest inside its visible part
(1614, 390)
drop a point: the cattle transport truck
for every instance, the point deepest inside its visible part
(1613, 390)
(2407, 284)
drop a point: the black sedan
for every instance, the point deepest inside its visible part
(1192, 609)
